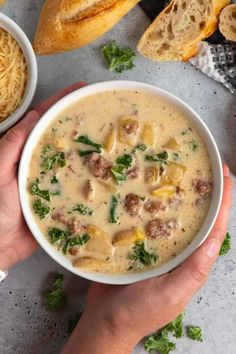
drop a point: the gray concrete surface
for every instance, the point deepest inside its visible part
(25, 326)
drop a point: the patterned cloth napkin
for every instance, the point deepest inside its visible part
(216, 56)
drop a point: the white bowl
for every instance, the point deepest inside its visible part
(10, 26)
(74, 97)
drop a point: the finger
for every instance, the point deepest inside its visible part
(22, 248)
(185, 280)
(45, 105)
(11, 146)
(12, 143)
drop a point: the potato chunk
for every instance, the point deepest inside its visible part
(57, 142)
(166, 191)
(172, 144)
(99, 242)
(127, 237)
(89, 263)
(175, 174)
(148, 134)
(110, 140)
(151, 174)
(128, 129)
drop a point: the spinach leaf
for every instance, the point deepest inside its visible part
(143, 256)
(159, 342)
(82, 209)
(41, 209)
(118, 59)
(162, 157)
(35, 190)
(56, 160)
(194, 333)
(226, 245)
(55, 297)
(113, 217)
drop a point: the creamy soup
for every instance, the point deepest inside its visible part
(120, 182)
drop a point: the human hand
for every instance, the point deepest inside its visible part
(16, 241)
(117, 317)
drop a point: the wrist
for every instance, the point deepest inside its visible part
(96, 335)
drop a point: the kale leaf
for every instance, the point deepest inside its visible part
(55, 297)
(195, 333)
(159, 342)
(113, 217)
(176, 326)
(226, 245)
(118, 59)
(35, 190)
(82, 209)
(162, 157)
(41, 209)
(143, 256)
(56, 160)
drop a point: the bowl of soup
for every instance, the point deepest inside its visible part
(120, 181)
(18, 73)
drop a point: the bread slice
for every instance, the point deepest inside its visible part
(228, 22)
(176, 32)
(70, 24)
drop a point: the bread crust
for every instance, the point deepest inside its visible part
(57, 33)
(191, 48)
(228, 22)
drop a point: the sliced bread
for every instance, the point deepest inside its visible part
(228, 22)
(176, 32)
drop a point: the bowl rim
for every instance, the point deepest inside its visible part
(69, 100)
(18, 34)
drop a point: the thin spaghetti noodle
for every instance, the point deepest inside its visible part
(13, 75)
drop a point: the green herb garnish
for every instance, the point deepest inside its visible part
(176, 326)
(54, 180)
(55, 296)
(56, 160)
(41, 209)
(162, 157)
(113, 217)
(193, 145)
(82, 209)
(194, 333)
(83, 153)
(141, 147)
(159, 342)
(73, 321)
(118, 59)
(35, 190)
(54, 130)
(65, 239)
(143, 256)
(226, 245)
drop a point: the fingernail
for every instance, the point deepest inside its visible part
(213, 248)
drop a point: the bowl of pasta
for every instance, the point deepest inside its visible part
(18, 73)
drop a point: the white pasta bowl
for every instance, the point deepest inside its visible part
(10, 26)
(195, 120)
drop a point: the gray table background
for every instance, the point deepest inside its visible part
(25, 326)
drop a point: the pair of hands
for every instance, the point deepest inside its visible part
(115, 318)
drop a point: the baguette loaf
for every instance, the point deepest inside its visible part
(68, 24)
(176, 32)
(228, 22)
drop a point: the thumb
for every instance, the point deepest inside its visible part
(12, 144)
